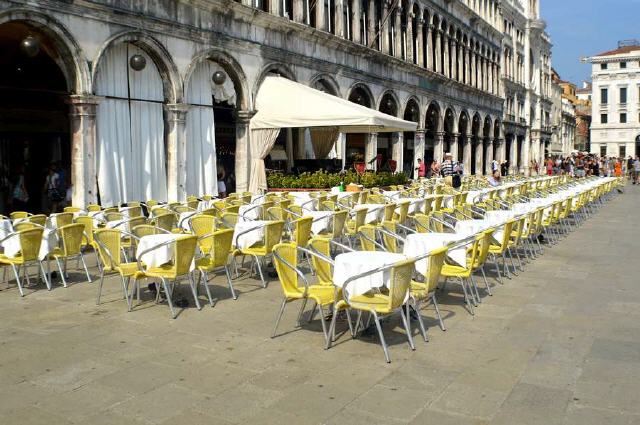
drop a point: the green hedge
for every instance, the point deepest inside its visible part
(323, 180)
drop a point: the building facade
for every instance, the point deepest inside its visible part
(527, 87)
(615, 130)
(147, 99)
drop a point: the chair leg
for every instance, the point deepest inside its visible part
(332, 329)
(275, 328)
(466, 297)
(407, 328)
(204, 280)
(416, 306)
(435, 305)
(125, 289)
(322, 322)
(486, 282)
(312, 313)
(228, 273)
(167, 293)
(100, 289)
(84, 264)
(382, 341)
(16, 272)
(64, 280)
(257, 260)
(475, 287)
(44, 275)
(300, 313)
(192, 283)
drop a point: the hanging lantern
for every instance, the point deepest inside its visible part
(30, 46)
(219, 78)
(137, 62)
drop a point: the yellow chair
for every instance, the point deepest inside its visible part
(378, 304)
(30, 240)
(296, 287)
(336, 230)
(390, 237)
(113, 216)
(501, 249)
(24, 225)
(72, 209)
(63, 219)
(321, 263)
(39, 219)
(463, 273)
(71, 237)
(229, 219)
(165, 221)
(202, 225)
(184, 248)
(108, 243)
(87, 237)
(353, 226)
(421, 223)
(215, 258)
(420, 291)
(301, 231)
(272, 236)
(367, 237)
(94, 208)
(18, 214)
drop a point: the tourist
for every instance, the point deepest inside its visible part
(451, 171)
(494, 179)
(549, 166)
(617, 168)
(435, 169)
(222, 187)
(421, 169)
(495, 166)
(20, 195)
(52, 189)
(636, 170)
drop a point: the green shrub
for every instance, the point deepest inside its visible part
(323, 180)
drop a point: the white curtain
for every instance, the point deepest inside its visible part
(130, 129)
(323, 139)
(200, 129)
(261, 143)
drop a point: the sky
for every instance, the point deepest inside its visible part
(586, 27)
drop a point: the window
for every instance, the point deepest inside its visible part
(623, 151)
(603, 118)
(604, 96)
(623, 118)
(603, 151)
(623, 95)
(623, 65)
(603, 66)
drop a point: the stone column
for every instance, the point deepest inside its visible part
(398, 27)
(371, 149)
(479, 156)
(454, 145)
(275, 8)
(385, 27)
(339, 18)
(355, 21)
(298, 10)
(466, 153)
(453, 55)
(513, 155)
(409, 42)
(481, 69)
(289, 148)
(419, 53)
(371, 41)
(320, 18)
(472, 68)
(460, 59)
(247, 3)
(438, 62)
(397, 149)
(243, 157)
(176, 151)
(525, 155)
(418, 149)
(500, 151)
(438, 146)
(488, 156)
(468, 71)
(447, 46)
(431, 46)
(82, 117)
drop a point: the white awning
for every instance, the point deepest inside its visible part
(282, 103)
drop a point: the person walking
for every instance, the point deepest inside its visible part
(19, 196)
(421, 169)
(451, 171)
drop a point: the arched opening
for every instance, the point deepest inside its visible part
(475, 138)
(463, 126)
(131, 148)
(485, 143)
(409, 155)
(431, 128)
(638, 145)
(355, 142)
(389, 106)
(449, 126)
(34, 117)
(496, 138)
(214, 95)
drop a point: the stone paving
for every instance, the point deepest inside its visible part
(558, 344)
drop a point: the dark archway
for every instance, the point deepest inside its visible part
(486, 137)
(411, 113)
(475, 138)
(388, 105)
(463, 125)
(431, 122)
(355, 142)
(34, 115)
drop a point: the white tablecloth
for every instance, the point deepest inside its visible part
(49, 241)
(304, 200)
(249, 212)
(250, 238)
(161, 255)
(418, 244)
(321, 220)
(6, 227)
(184, 218)
(354, 263)
(126, 211)
(375, 212)
(205, 205)
(471, 227)
(415, 204)
(391, 194)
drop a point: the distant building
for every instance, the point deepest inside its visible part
(615, 95)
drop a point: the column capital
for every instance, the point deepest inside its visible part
(420, 131)
(83, 105)
(83, 99)
(243, 117)
(177, 111)
(440, 134)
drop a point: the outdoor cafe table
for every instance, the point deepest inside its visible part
(391, 194)
(321, 220)
(375, 212)
(160, 255)
(12, 245)
(304, 200)
(447, 200)
(351, 264)
(419, 244)
(250, 238)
